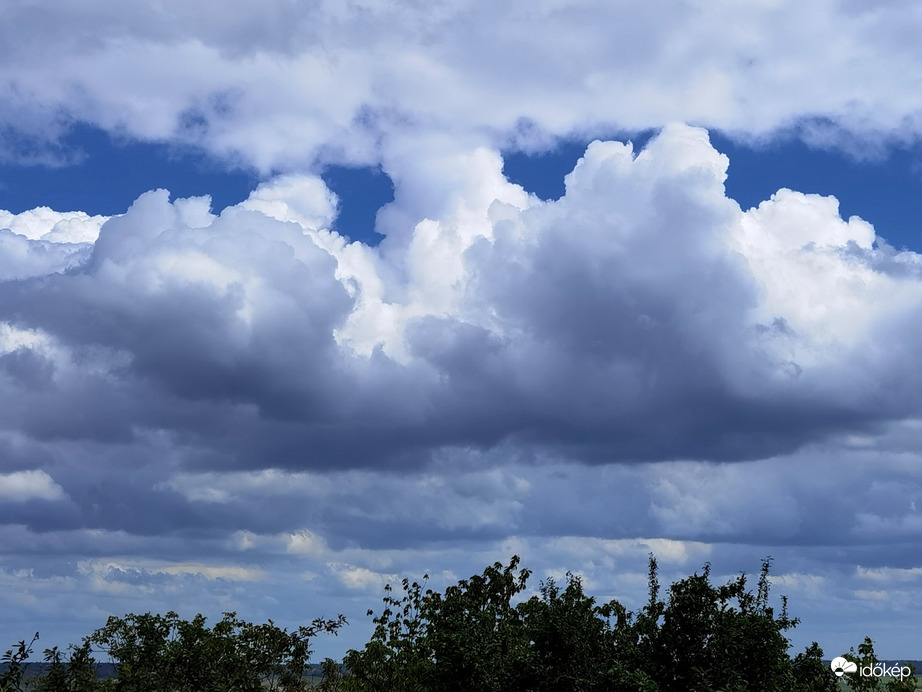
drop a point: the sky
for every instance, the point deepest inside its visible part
(298, 299)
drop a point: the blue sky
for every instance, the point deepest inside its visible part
(296, 301)
(107, 173)
(103, 174)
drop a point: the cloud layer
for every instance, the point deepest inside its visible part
(282, 84)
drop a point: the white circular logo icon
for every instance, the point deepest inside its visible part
(840, 666)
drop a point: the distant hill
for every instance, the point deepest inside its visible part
(32, 670)
(108, 670)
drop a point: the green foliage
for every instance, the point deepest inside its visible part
(475, 636)
(15, 660)
(56, 676)
(469, 638)
(81, 669)
(77, 674)
(479, 635)
(332, 676)
(907, 684)
(702, 637)
(722, 637)
(865, 656)
(396, 658)
(570, 638)
(810, 673)
(163, 652)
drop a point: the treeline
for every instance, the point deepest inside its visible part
(163, 653)
(477, 636)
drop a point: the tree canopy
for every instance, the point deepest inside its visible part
(697, 637)
(482, 634)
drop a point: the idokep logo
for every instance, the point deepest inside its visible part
(840, 666)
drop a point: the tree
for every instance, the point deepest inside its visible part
(55, 678)
(810, 673)
(82, 672)
(702, 637)
(475, 634)
(723, 637)
(396, 659)
(77, 674)
(470, 638)
(480, 634)
(907, 684)
(15, 660)
(163, 652)
(570, 638)
(866, 659)
(332, 676)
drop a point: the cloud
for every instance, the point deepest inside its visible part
(41, 241)
(104, 569)
(198, 401)
(305, 543)
(22, 259)
(43, 223)
(286, 85)
(643, 316)
(304, 200)
(22, 486)
(889, 574)
(361, 578)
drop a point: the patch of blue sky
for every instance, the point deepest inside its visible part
(99, 174)
(104, 175)
(361, 191)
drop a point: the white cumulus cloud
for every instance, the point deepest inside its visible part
(22, 486)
